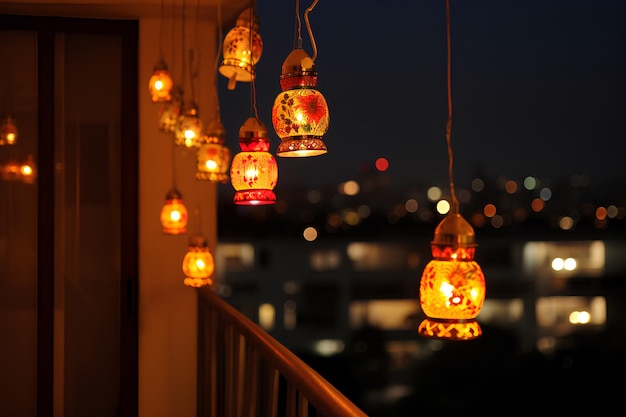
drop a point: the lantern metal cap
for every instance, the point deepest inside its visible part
(455, 231)
(173, 194)
(160, 65)
(253, 128)
(298, 61)
(244, 19)
(198, 240)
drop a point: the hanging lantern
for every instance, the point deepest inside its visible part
(160, 84)
(300, 112)
(198, 264)
(254, 172)
(174, 214)
(8, 132)
(239, 58)
(27, 170)
(11, 171)
(452, 288)
(170, 111)
(189, 126)
(212, 157)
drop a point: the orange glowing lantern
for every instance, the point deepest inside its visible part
(452, 288)
(160, 84)
(189, 126)
(8, 132)
(28, 171)
(240, 57)
(300, 112)
(198, 264)
(254, 171)
(212, 157)
(174, 214)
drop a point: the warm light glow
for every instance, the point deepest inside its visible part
(160, 84)
(434, 193)
(254, 171)
(170, 111)
(198, 263)
(174, 214)
(239, 58)
(310, 234)
(579, 317)
(212, 157)
(452, 287)
(188, 128)
(267, 316)
(300, 113)
(443, 207)
(8, 132)
(382, 164)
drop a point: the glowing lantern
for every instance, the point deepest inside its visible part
(254, 172)
(452, 288)
(198, 264)
(239, 58)
(188, 127)
(11, 171)
(174, 214)
(8, 132)
(212, 157)
(27, 170)
(170, 111)
(300, 112)
(160, 83)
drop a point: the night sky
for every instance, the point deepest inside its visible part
(538, 88)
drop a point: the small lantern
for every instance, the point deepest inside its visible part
(452, 288)
(300, 112)
(170, 111)
(239, 58)
(160, 83)
(198, 264)
(8, 132)
(11, 171)
(254, 171)
(28, 171)
(189, 126)
(212, 157)
(174, 214)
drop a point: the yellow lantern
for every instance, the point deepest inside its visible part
(254, 171)
(174, 215)
(198, 263)
(28, 171)
(300, 113)
(189, 126)
(212, 157)
(160, 84)
(8, 132)
(240, 57)
(452, 287)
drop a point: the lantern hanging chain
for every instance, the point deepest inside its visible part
(455, 202)
(308, 27)
(253, 109)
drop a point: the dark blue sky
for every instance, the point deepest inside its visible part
(538, 88)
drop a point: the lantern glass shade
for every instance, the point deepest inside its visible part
(160, 84)
(239, 57)
(198, 263)
(254, 171)
(28, 171)
(300, 113)
(188, 127)
(212, 162)
(452, 287)
(170, 111)
(174, 215)
(8, 132)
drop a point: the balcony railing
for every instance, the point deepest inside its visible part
(245, 372)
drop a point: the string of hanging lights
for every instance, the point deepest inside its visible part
(300, 113)
(452, 286)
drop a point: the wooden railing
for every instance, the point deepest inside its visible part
(245, 372)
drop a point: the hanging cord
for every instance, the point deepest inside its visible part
(298, 37)
(220, 45)
(253, 109)
(308, 27)
(455, 202)
(161, 29)
(194, 61)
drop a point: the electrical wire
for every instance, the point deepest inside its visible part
(308, 27)
(455, 202)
